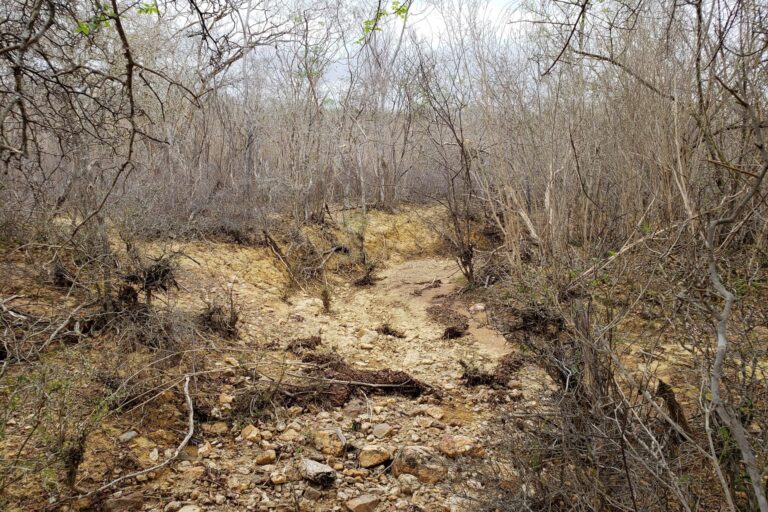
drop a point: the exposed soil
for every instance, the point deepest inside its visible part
(378, 357)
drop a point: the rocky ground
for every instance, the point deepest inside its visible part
(375, 453)
(377, 449)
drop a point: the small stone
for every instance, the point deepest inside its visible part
(435, 411)
(220, 499)
(154, 455)
(460, 446)
(218, 427)
(382, 430)
(312, 494)
(316, 472)
(420, 461)
(205, 450)
(424, 422)
(173, 506)
(250, 433)
(278, 477)
(127, 436)
(190, 508)
(133, 501)
(477, 308)
(373, 455)
(369, 337)
(357, 473)
(364, 503)
(289, 435)
(266, 457)
(409, 484)
(331, 441)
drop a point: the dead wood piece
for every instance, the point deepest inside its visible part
(342, 380)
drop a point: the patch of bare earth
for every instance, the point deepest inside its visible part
(313, 408)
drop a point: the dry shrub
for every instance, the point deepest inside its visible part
(144, 325)
(221, 318)
(158, 274)
(60, 275)
(325, 296)
(475, 375)
(536, 319)
(600, 445)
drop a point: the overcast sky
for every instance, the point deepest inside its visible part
(425, 19)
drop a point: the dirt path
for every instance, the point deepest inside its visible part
(400, 300)
(255, 462)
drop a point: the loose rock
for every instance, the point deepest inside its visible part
(421, 462)
(373, 455)
(364, 503)
(316, 472)
(331, 441)
(173, 506)
(408, 483)
(382, 430)
(265, 457)
(127, 436)
(250, 433)
(460, 446)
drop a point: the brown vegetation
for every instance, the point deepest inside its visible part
(596, 171)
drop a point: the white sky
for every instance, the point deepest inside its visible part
(427, 21)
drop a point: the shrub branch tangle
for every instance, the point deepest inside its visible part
(595, 141)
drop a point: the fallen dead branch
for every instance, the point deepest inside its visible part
(342, 378)
(326, 380)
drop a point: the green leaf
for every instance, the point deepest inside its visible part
(83, 28)
(148, 8)
(400, 10)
